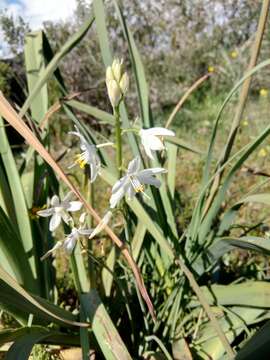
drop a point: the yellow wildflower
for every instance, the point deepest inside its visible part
(263, 92)
(234, 54)
(245, 123)
(262, 152)
(211, 69)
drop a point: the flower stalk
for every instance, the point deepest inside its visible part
(118, 140)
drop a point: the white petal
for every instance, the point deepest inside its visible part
(55, 201)
(45, 212)
(56, 247)
(130, 192)
(67, 197)
(55, 221)
(66, 218)
(104, 221)
(152, 142)
(152, 171)
(82, 138)
(149, 180)
(85, 232)
(148, 150)
(158, 131)
(134, 165)
(74, 206)
(120, 183)
(82, 217)
(116, 197)
(94, 170)
(69, 244)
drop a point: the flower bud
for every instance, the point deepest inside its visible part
(114, 92)
(109, 74)
(124, 83)
(117, 69)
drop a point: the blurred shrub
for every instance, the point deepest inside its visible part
(179, 41)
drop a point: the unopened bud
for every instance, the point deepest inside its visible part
(117, 69)
(124, 83)
(114, 92)
(109, 74)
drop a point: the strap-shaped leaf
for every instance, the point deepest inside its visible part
(14, 299)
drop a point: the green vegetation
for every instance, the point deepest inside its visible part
(173, 261)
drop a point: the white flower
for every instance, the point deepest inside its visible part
(57, 246)
(101, 225)
(133, 182)
(72, 238)
(58, 210)
(88, 156)
(151, 141)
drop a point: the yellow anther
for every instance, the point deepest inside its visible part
(139, 188)
(80, 161)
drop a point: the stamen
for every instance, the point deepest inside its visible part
(80, 160)
(138, 187)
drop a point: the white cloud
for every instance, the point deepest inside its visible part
(35, 12)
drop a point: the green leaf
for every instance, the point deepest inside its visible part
(251, 293)
(233, 321)
(221, 246)
(15, 300)
(182, 144)
(137, 240)
(101, 115)
(35, 68)
(52, 66)
(257, 347)
(109, 340)
(21, 348)
(14, 253)
(18, 201)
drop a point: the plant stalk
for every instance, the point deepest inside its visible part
(118, 140)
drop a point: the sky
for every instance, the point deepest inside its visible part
(35, 12)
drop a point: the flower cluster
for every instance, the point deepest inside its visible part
(59, 210)
(117, 82)
(133, 182)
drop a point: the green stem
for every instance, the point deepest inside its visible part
(118, 140)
